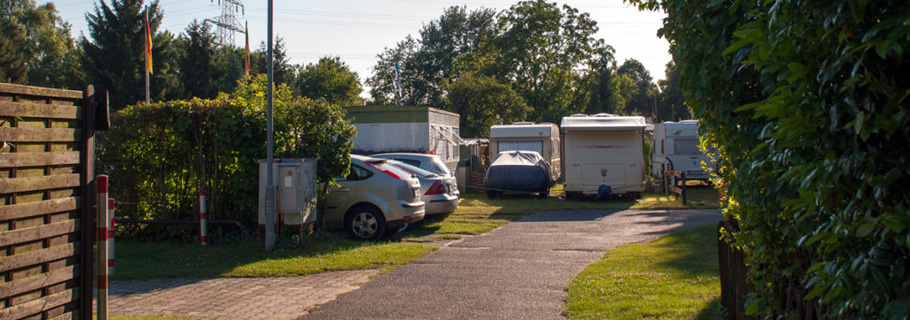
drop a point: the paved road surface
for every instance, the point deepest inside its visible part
(518, 271)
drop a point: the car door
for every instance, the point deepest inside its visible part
(342, 195)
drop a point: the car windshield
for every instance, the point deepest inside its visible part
(415, 170)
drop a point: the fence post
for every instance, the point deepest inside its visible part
(103, 219)
(110, 237)
(684, 187)
(203, 218)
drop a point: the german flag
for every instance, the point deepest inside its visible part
(148, 44)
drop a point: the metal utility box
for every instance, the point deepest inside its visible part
(295, 190)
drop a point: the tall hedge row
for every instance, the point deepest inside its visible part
(160, 155)
(807, 105)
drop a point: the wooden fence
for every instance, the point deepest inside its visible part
(46, 201)
(733, 287)
(670, 183)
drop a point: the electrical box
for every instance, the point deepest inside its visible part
(295, 190)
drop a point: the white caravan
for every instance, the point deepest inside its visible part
(603, 155)
(542, 138)
(676, 148)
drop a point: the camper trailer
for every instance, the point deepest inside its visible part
(676, 148)
(542, 138)
(603, 155)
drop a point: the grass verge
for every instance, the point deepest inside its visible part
(246, 258)
(674, 277)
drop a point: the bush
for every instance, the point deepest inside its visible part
(159, 155)
(806, 103)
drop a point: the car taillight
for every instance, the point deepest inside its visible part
(436, 188)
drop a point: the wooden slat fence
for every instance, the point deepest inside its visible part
(46, 196)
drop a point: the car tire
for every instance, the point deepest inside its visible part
(365, 223)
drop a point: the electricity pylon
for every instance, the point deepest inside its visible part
(227, 23)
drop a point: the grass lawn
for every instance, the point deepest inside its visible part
(334, 252)
(247, 259)
(674, 277)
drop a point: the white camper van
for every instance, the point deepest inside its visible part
(676, 148)
(542, 138)
(603, 155)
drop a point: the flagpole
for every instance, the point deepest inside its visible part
(147, 57)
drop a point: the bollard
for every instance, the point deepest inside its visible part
(110, 237)
(102, 221)
(203, 218)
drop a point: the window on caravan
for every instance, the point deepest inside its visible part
(684, 146)
(521, 145)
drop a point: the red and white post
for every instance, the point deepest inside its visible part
(103, 220)
(110, 237)
(203, 218)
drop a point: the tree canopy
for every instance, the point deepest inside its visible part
(331, 80)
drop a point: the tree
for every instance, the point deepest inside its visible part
(482, 102)
(115, 58)
(543, 50)
(642, 101)
(331, 80)
(671, 104)
(455, 33)
(383, 84)
(282, 69)
(430, 59)
(199, 68)
(37, 48)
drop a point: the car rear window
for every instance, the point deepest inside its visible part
(387, 167)
(441, 166)
(413, 169)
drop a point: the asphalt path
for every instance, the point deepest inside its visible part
(517, 271)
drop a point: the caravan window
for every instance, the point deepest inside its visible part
(521, 145)
(682, 146)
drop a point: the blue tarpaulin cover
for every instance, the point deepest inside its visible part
(519, 170)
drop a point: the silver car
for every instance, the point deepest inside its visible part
(429, 162)
(439, 191)
(375, 198)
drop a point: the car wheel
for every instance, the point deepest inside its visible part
(365, 223)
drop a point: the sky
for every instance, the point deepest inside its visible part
(358, 30)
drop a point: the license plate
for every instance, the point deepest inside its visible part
(416, 193)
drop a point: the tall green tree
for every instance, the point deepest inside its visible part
(455, 33)
(482, 102)
(544, 50)
(282, 70)
(331, 80)
(643, 99)
(671, 105)
(37, 48)
(199, 68)
(430, 58)
(115, 57)
(383, 84)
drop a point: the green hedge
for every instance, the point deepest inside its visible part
(159, 155)
(806, 103)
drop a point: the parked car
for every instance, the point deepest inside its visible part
(518, 171)
(439, 191)
(429, 162)
(376, 198)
